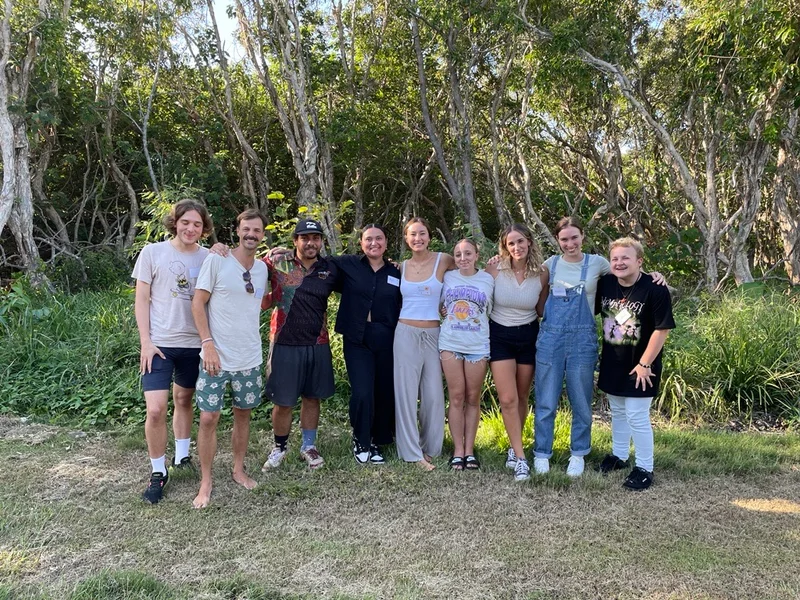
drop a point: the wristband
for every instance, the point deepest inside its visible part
(645, 366)
(206, 340)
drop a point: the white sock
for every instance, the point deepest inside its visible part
(158, 464)
(181, 450)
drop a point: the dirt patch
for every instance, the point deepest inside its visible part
(22, 430)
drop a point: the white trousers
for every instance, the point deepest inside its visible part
(630, 419)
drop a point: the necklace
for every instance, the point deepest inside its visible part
(630, 289)
(422, 265)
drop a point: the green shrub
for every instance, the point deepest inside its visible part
(734, 354)
(96, 269)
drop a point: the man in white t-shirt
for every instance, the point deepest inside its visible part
(170, 345)
(226, 310)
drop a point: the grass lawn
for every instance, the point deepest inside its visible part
(722, 521)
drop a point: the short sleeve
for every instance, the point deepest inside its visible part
(662, 308)
(143, 269)
(603, 266)
(208, 273)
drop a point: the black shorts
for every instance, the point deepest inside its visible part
(294, 371)
(513, 343)
(183, 362)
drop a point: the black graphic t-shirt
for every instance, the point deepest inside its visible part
(630, 316)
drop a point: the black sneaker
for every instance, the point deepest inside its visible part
(360, 453)
(154, 491)
(612, 463)
(376, 456)
(638, 479)
(186, 464)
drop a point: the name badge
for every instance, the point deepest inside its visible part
(259, 293)
(559, 291)
(623, 316)
(393, 281)
(194, 272)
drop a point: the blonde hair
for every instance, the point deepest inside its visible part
(469, 241)
(628, 242)
(533, 260)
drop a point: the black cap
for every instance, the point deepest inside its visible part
(308, 226)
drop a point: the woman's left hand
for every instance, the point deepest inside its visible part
(643, 375)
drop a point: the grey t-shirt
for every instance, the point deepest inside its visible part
(569, 274)
(233, 313)
(172, 276)
(468, 302)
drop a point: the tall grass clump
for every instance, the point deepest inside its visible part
(732, 355)
(70, 357)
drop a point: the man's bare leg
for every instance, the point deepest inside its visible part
(206, 449)
(240, 438)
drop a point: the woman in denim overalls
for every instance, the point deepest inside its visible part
(567, 348)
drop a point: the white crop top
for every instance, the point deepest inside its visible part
(515, 303)
(421, 298)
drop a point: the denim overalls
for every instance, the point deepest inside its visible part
(567, 344)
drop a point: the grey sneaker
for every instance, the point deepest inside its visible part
(312, 457)
(274, 459)
(511, 459)
(522, 472)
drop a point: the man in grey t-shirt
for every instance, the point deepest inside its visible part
(226, 310)
(170, 345)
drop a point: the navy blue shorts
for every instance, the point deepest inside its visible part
(184, 363)
(513, 343)
(294, 371)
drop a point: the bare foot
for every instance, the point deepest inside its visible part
(425, 465)
(203, 496)
(245, 480)
(427, 458)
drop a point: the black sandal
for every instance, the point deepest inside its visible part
(471, 463)
(456, 463)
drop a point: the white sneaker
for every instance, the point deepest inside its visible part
(274, 459)
(511, 459)
(541, 465)
(575, 467)
(522, 472)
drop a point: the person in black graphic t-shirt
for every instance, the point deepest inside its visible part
(637, 317)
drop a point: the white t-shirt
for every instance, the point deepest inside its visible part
(568, 274)
(233, 313)
(468, 301)
(172, 276)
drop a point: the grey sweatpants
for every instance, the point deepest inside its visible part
(418, 375)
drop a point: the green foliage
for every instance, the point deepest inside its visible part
(91, 270)
(737, 354)
(71, 358)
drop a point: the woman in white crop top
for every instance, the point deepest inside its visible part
(513, 330)
(417, 371)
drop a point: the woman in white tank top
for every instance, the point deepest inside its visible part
(417, 371)
(513, 330)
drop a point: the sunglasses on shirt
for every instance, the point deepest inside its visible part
(248, 285)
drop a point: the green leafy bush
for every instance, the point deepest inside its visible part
(734, 355)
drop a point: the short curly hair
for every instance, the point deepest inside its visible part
(180, 208)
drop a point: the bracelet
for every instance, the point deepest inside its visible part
(645, 366)
(206, 340)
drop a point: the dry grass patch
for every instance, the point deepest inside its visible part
(395, 532)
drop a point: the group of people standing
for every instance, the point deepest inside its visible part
(402, 327)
